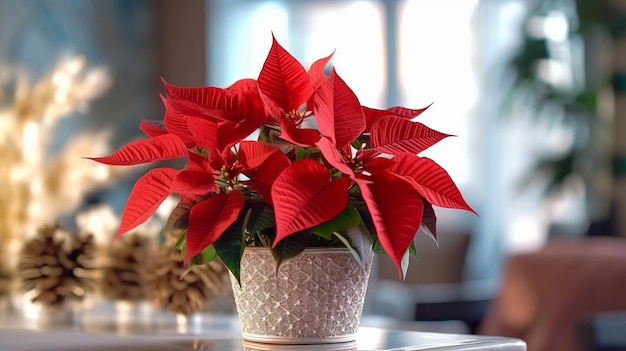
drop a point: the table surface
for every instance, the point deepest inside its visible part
(104, 331)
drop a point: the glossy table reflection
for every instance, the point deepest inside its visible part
(155, 332)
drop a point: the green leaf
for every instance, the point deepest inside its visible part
(270, 135)
(429, 221)
(348, 218)
(413, 250)
(181, 241)
(361, 242)
(209, 254)
(358, 244)
(346, 242)
(405, 263)
(291, 246)
(230, 245)
(363, 139)
(261, 218)
(246, 219)
(378, 248)
(302, 152)
(229, 250)
(197, 259)
(183, 251)
(426, 230)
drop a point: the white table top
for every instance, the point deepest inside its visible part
(96, 331)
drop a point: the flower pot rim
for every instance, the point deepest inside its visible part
(310, 250)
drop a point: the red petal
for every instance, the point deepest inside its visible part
(152, 128)
(396, 211)
(431, 181)
(176, 123)
(332, 155)
(394, 135)
(219, 159)
(375, 164)
(364, 154)
(192, 181)
(206, 96)
(253, 153)
(205, 133)
(316, 71)
(231, 133)
(243, 85)
(283, 79)
(275, 112)
(200, 162)
(214, 135)
(261, 180)
(159, 148)
(179, 217)
(304, 196)
(372, 114)
(338, 112)
(209, 219)
(195, 101)
(407, 112)
(298, 136)
(238, 102)
(148, 193)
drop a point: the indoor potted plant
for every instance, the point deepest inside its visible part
(322, 174)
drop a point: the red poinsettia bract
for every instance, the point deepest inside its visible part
(319, 154)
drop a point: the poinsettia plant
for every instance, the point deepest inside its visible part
(321, 169)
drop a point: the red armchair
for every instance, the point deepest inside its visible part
(546, 295)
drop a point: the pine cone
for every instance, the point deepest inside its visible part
(54, 264)
(5, 279)
(185, 291)
(125, 269)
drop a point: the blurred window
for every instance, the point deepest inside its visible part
(410, 53)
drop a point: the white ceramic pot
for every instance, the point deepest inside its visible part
(315, 297)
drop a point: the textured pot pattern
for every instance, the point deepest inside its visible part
(315, 297)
